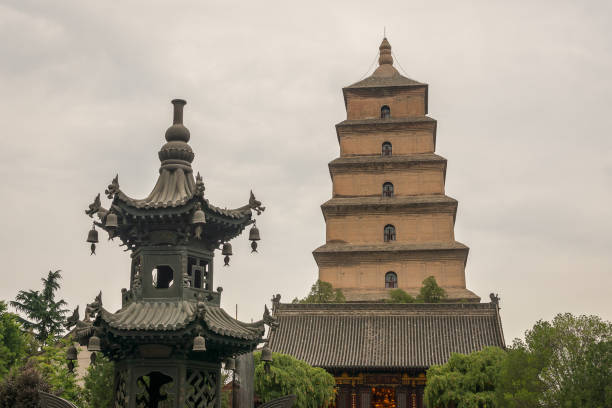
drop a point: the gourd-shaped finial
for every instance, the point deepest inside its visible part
(385, 53)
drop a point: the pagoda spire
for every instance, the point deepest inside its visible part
(176, 153)
(385, 57)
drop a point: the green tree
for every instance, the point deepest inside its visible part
(431, 292)
(563, 363)
(465, 381)
(19, 389)
(400, 296)
(98, 383)
(313, 387)
(51, 362)
(322, 292)
(45, 315)
(13, 342)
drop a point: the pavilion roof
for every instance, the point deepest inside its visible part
(384, 336)
(172, 315)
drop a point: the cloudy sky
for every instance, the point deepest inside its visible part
(522, 92)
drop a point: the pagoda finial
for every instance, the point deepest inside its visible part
(385, 53)
(177, 153)
(178, 132)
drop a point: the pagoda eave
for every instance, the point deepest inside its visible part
(338, 253)
(340, 206)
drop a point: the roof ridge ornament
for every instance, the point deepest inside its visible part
(113, 188)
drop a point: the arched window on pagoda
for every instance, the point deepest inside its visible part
(386, 149)
(390, 280)
(385, 112)
(389, 233)
(387, 189)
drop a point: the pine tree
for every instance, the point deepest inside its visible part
(44, 315)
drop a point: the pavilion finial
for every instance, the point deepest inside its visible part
(178, 132)
(385, 53)
(178, 110)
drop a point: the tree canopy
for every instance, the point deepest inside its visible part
(322, 292)
(44, 315)
(465, 381)
(431, 292)
(563, 363)
(313, 387)
(13, 342)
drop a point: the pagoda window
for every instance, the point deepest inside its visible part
(386, 149)
(163, 277)
(390, 280)
(389, 233)
(385, 112)
(387, 189)
(197, 270)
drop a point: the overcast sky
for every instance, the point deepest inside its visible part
(522, 92)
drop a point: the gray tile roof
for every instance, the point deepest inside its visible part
(382, 335)
(173, 315)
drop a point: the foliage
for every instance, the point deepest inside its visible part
(98, 383)
(51, 362)
(430, 291)
(45, 314)
(13, 342)
(20, 387)
(465, 381)
(563, 363)
(314, 387)
(322, 292)
(400, 296)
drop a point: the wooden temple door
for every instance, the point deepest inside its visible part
(364, 397)
(344, 396)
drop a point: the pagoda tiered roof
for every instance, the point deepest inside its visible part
(172, 315)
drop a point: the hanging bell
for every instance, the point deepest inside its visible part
(199, 343)
(112, 221)
(227, 249)
(254, 237)
(94, 344)
(230, 364)
(198, 216)
(266, 354)
(93, 235)
(71, 353)
(254, 233)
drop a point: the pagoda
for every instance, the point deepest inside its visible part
(170, 336)
(389, 223)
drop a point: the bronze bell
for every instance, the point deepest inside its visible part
(94, 344)
(254, 234)
(71, 353)
(227, 249)
(230, 364)
(93, 235)
(199, 343)
(198, 216)
(112, 221)
(266, 354)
